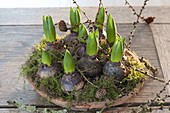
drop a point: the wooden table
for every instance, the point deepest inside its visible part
(21, 28)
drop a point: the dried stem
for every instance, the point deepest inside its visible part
(149, 75)
(81, 73)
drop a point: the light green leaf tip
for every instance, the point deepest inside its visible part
(117, 49)
(49, 29)
(46, 58)
(111, 29)
(69, 65)
(77, 13)
(92, 44)
(83, 32)
(78, 8)
(75, 18)
(72, 17)
(45, 27)
(101, 17)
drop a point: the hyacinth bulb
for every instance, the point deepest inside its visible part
(117, 49)
(75, 18)
(49, 29)
(92, 43)
(111, 29)
(46, 58)
(101, 17)
(71, 82)
(69, 65)
(83, 32)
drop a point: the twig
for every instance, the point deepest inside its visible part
(88, 69)
(149, 75)
(134, 11)
(166, 96)
(74, 2)
(156, 99)
(124, 108)
(149, 66)
(85, 77)
(161, 91)
(136, 22)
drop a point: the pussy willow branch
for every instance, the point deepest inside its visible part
(74, 2)
(161, 91)
(165, 97)
(149, 66)
(136, 22)
(134, 11)
(156, 99)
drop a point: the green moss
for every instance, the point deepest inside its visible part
(88, 93)
(31, 65)
(114, 89)
(52, 85)
(107, 83)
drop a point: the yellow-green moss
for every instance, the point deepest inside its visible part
(41, 45)
(134, 77)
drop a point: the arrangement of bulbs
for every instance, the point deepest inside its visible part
(92, 50)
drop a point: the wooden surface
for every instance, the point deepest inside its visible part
(33, 16)
(161, 33)
(21, 28)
